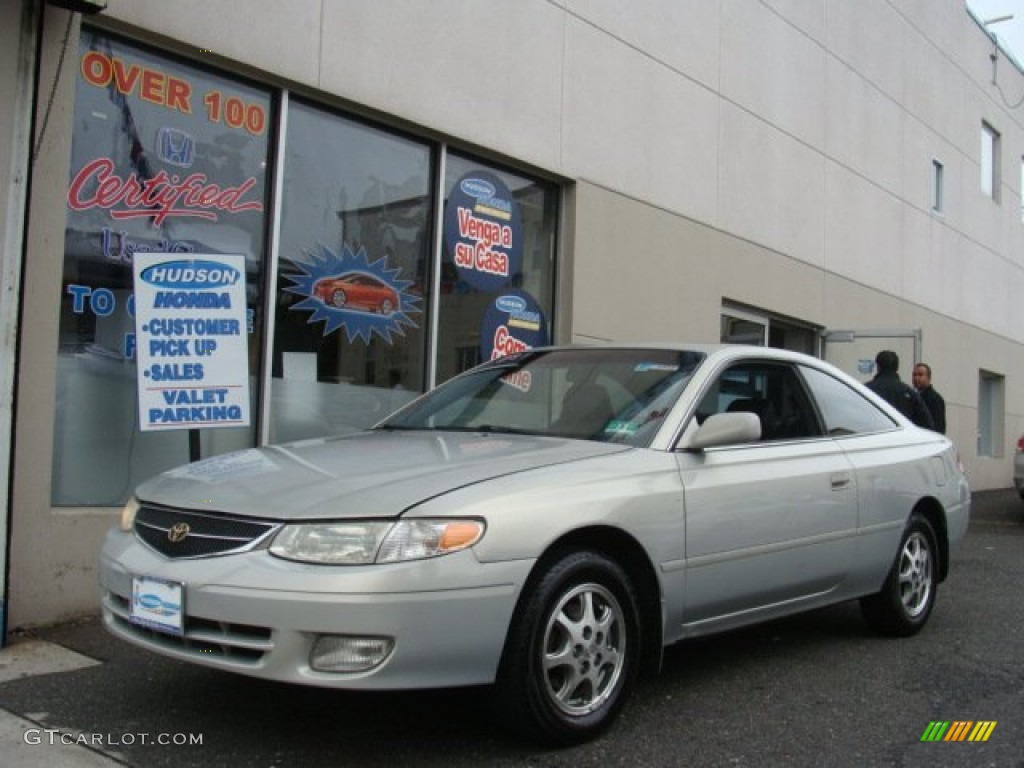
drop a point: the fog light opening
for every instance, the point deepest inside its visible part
(345, 653)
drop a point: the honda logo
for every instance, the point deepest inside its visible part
(176, 147)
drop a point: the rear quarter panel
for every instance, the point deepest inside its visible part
(895, 471)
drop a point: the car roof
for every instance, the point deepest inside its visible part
(716, 351)
(720, 354)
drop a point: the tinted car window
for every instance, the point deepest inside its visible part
(772, 391)
(844, 410)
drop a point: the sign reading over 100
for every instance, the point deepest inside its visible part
(156, 87)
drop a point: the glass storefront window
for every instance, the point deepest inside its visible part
(498, 269)
(353, 278)
(166, 157)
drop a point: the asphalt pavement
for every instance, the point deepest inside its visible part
(71, 696)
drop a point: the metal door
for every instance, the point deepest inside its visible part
(854, 351)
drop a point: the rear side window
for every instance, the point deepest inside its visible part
(844, 410)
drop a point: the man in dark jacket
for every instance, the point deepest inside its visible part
(888, 385)
(922, 379)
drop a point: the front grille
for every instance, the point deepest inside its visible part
(179, 533)
(238, 643)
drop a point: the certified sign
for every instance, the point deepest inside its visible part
(191, 332)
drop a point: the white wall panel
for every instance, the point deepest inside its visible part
(868, 35)
(864, 127)
(638, 127)
(772, 187)
(986, 289)
(683, 34)
(487, 71)
(863, 231)
(931, 262)
(279, 37)
(806, 15)
(943, 23)
(983, 217)
(773, 69)
(935, 89)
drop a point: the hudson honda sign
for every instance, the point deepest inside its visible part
(190, 317)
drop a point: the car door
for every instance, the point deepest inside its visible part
(770, 525)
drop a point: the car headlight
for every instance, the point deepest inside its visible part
(366, 542)
(128, 513)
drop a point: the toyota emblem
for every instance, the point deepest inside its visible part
(177, 532)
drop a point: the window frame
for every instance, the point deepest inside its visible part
(990, 162)
(772, 374)
(938, 186)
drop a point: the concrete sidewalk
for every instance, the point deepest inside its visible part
(35, 742)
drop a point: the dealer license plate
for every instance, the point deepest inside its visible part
(158, 604)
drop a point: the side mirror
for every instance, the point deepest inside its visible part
(724, 429)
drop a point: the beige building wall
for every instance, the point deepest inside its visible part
(773, 153)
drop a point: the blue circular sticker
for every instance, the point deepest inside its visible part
(512, 323)
(483, 231)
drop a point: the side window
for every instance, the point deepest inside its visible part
(845, 411)
(772, 392)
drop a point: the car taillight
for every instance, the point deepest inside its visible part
(1020, 444)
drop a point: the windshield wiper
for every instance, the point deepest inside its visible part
(487, 429)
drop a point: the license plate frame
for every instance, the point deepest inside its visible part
(158, 604)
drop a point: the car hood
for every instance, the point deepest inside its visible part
(372, 474)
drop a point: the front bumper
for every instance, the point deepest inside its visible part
(258, 615)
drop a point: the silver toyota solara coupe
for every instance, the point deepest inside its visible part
(545, 523)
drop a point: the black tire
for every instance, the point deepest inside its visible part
(572, 652)
(386, 307)
(905, 601)
(338, 298)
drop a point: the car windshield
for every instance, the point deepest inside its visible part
(608, 395)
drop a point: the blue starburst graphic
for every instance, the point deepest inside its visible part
(351, 292)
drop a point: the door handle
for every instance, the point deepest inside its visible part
(840, 480)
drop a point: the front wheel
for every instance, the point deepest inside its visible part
(905, 601)
(572, 652)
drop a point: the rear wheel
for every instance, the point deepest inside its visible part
(572, 651)
(338, 298)
(905, 601)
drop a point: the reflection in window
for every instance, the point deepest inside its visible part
(353, 275)
(844, 410)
